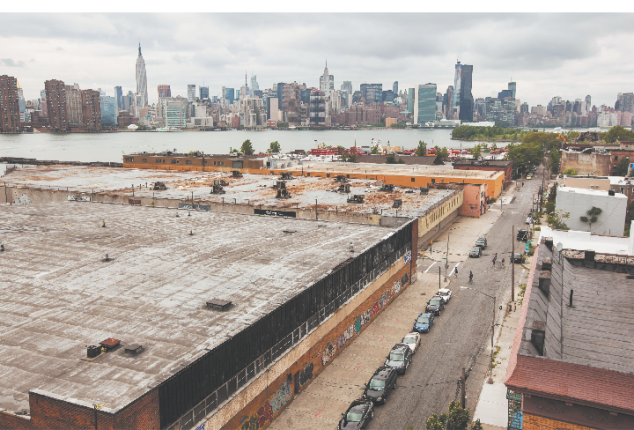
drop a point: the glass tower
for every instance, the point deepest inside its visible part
(426, 103)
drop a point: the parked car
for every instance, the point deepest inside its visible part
(435, 305)
(529, 220)
(522, 235)
(529, 176)
(445, 293)
(481, 243)
(400, 358)
(412, 340)
(424, 322)
(359, 414)
(518, 258)
(475, 252)
(381, 384)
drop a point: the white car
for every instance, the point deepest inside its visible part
(529, 220)
(412, 340)
(445, 293)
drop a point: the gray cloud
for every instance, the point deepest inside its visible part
(10, 62)
(569, 55)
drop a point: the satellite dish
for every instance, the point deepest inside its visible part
(559, 247)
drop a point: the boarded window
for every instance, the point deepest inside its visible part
(188, 161)
(129, 160)
(144, 160)
(237, 164)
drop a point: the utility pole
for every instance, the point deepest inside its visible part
(447, 258)
(316, 210)
(439, 277)
(512, 263)
(463, 389)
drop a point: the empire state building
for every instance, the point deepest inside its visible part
(141, 83)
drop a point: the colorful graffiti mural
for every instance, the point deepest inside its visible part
(266, 412)
(306, 374)
(23, 200)
(360, 321)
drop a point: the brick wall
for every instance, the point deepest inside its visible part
(534, 422)
(260, 412)
(51, 414)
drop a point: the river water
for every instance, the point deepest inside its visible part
(111, 146)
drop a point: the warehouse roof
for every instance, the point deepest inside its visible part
(60, 294)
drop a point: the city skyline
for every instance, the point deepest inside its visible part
(564, 66)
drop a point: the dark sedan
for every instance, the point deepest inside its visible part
(358, 415)
(381, 384)
(400, 358)
(435, 305)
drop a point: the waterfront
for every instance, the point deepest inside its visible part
(111, 146)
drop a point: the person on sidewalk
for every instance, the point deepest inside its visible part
(456, 271)
(470, 276)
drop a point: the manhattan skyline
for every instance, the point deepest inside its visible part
(546, 54)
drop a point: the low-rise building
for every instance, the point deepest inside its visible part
(505, 166)
(578, 201)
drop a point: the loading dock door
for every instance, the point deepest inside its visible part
(237, 164)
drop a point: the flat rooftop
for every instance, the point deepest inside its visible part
(586, 241)
(251, 188)
(60, 295)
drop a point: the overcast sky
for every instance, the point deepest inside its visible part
(569, 55)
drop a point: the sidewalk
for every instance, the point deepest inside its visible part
(492, 407)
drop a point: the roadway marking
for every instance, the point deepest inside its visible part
(430, 267)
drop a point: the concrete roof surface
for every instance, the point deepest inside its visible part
(585, 241)
(59, 295)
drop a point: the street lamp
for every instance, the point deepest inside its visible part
(492, 326)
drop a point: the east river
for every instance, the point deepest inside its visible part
(111, 146)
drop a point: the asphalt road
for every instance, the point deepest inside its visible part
(460, 337)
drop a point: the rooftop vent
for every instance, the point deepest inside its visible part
(397, 203)
(219, 305)
(544, 282)
(611, 192)
(236, 174)
(286, 176)
(341, 178)
(159, 186)
(133, 349)
(356, 198)
(110, 343)
(537, 336)
(93, 351)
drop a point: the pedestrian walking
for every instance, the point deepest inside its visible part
(503, 262)
(456, 271)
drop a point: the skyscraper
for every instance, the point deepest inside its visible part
(347, 86)
(118, 93)
(141, 83)
(395, 88)
(204, 93)
(411, 96)
(512, 88)
(326, 81)
(164, 91)
(9, 106)
(108, 111)
(230, 95)
(56, 105)
(73, 105)
(191, 93)
(254, 84)
(372, 93)
(91, 110)
(425, 105)
(462, 104)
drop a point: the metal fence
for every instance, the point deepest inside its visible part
(198, 389)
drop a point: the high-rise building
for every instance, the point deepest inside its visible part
(326, 81)
(347, 86)
(56, 105)
(204, 93)
(191, 93)
(524, 108)
(118, 93)
(254, 84)
(388, 96)
(73, 105)
(108, 107)
(626, 102)
(305, 95)
(272, 108)
(164, 91)
(512, 88)
(174, 111)
(318, 108)
(504, 94)
(91, 110)
(411, 96)
(507, 110)
(230, 95)
(462, 103)
(588, 104)
(425, 105)
(141, 82)
(9, 105)
(493, 108)
(395, 87)
(372, 93)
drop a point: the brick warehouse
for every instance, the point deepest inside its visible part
(298, 296)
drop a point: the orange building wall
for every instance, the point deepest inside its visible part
(534, 422)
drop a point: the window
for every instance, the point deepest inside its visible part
(433, 181)
(214, 163)
(616, 157)
(129, 159)
(158, 160)
(174, 161)
(413, 180)
(188, 161)
(144, 160)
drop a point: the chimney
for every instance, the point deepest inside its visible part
(538, 334)
(589, 256)
(544, 282)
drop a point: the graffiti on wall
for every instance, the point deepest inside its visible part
(362, 319)
(78, 198)
(306, 374)
(23, 200)
(265, 413)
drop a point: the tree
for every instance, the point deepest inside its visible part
(554, 159)
(476, 152)
(476, 425)
(457, 419)
(348, 157)
(436, 422)
(525, 155)
(274, 147)
(593, 216)
(390, 160)
(556, 220)
(374, 150)
(618, 133)
(421, 150)
(247, 148)
(570, 172)
(620, 169)
(442, 153)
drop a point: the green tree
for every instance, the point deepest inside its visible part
(592, 216)
(525, 155)
(476, 152)
(421, 149)
(274, 147)
(374, 150)
(548, 141)
(620, 169)
(554, 159)
(458, 418)
(436, 422)
(618, 133)
(570, 172)
(348, 157)
(390, 160)
(629, 216)
(247, 148)
(556, 220)
(476, 425)
(442, 153)
(282, 125)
